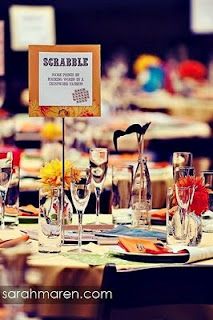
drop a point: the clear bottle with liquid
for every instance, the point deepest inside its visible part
(141, 198)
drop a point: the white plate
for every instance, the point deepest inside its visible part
(159, 258)
(28, 219)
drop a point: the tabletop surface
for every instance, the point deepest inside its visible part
(64, 270)
(46, 259)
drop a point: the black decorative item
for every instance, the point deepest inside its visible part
(134, 128)
(141, 196)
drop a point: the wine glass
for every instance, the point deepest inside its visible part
(5, 176)
(184, 196)
(181, 159)
(98, 165)
(182, 172)
(80, 192)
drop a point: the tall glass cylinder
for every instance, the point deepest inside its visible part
(178, 202)
(184, 172)
(6, 161)
(12, 198)
(122, 177)
(98, 166)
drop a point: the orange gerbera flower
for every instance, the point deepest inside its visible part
(200, 200)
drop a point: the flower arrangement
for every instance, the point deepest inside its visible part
(192, 69)
(51, 174)
(145, 61)
(200, 200)
(51, 131)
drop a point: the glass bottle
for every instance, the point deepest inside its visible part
(141, 198)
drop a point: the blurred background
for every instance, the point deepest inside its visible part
(157, 65)
(126, 27)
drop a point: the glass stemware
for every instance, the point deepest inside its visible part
(80, 192)
(185, 171)
(184, 196)
(5, 176)
(181, 159)
(98, 166)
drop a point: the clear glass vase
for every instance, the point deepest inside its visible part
(177, 219)
(183, 226)
(141, 197)
(50, 220)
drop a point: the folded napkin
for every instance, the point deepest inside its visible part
(28, 210)
(13, 242)
(195, 253)
(159, 214)
(141, 245)
(11, 211)
(130, 232)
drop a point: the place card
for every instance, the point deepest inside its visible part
(64, 81)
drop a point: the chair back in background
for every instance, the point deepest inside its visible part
(160, 293)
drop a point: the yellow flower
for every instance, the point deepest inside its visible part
(51, 131)
(144, 61)
(51, 174)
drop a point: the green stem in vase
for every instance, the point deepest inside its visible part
(80, 218)
(140, 139)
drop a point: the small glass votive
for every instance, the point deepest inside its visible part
(12, 198)
(122, 177)
(177, 217)
(50, 220)
(141, 214)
